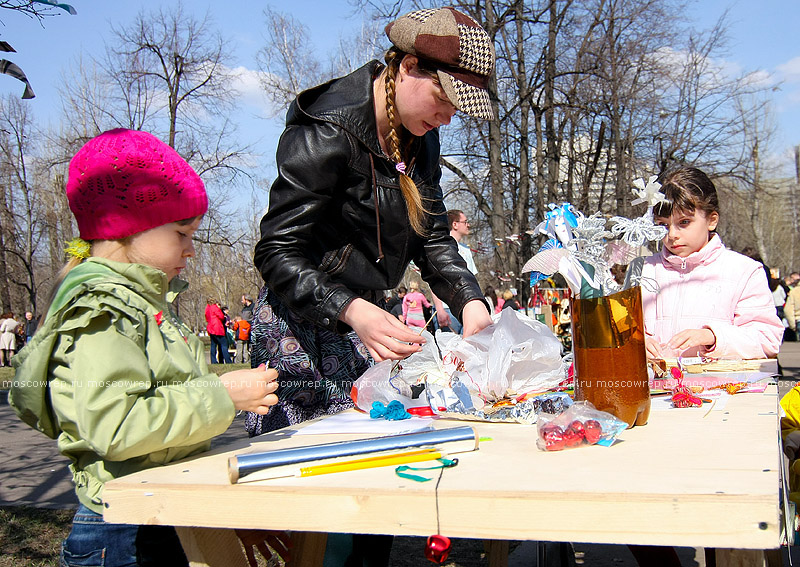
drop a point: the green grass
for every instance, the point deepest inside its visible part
(31, 537)
(6, 375)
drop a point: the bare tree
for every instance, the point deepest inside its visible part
(588, 95)
(166, 72)
(701, 115)
(19, 205)
(170, 62)
(287, 61)
(754, 186)
(36, 11)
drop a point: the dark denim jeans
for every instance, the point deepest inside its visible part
(219, 350)
(95, 543)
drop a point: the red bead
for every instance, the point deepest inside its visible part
(578, 429)
(593, 431)
(554, 440)
(571, 438)
(437, 548)
(549, 428)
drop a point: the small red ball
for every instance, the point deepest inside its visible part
(549, 428)
(437, 548)
(554, 440)
(593, 431)
(578, 428)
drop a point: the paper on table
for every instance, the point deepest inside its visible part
(710, 380)
(357, 422)
(727, 377)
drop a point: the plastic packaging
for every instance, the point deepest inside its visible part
(513, 356)
(403, 381)
(488, 376)
(581, 424)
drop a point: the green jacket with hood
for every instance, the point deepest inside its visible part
(117, 378)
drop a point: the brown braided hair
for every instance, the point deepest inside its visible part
(410, 191)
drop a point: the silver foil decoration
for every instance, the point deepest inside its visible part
(455, 402)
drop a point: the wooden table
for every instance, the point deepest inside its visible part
(687, 478)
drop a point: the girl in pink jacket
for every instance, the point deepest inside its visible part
(710, 300)
(413, 315)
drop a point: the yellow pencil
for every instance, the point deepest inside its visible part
(373, 462)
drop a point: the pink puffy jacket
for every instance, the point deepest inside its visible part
(713, 288)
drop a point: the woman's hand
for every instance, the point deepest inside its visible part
(693, 338)
(476, 317)
(252, 389)
(384, 336)
(441, 315)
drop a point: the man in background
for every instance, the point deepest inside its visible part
(459, 228)
(247, 308)
(30, 326)
(395, 303)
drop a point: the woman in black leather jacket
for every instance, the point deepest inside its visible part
(356, 199)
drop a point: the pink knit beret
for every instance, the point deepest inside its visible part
(125, 181)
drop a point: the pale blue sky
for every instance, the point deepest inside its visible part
(763, 39)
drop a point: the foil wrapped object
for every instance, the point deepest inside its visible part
(456, 402)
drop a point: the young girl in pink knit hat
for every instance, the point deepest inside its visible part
(113, 374)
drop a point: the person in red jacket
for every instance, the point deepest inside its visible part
(216, 330)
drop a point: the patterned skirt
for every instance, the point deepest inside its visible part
(316, 367)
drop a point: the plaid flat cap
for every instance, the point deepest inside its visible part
(458, 47)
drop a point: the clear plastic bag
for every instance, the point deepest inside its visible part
(403, 380)
(515, 355)
(581, 424)
(512, 357)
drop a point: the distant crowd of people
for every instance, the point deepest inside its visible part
(14, 334)
(228, 333)
(414, 308)
(786, 295)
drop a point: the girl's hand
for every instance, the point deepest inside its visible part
(252, 389)
(476, 317)
(384, 336)
(652, 347)
(693, 338)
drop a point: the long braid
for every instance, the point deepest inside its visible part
(410, 191)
